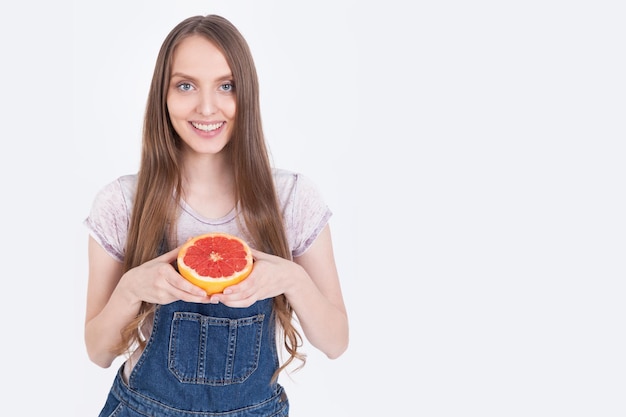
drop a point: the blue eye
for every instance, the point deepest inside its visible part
(228, 87)
(184, 87)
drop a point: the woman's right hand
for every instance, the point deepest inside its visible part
(158, 282)
(114, 297)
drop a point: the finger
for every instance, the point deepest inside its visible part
(178, 281)
(170, 256)
(236, 303)
(191, 297)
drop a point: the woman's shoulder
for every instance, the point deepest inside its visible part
(287, 183)
(292, 183)
(127, 182)
(286, 179)
(116, 196)
(122, 186)
(282, 175)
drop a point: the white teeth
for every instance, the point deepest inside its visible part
(207, 128)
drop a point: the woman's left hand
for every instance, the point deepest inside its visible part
(270, 277)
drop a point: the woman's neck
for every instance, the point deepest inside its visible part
(209, 185)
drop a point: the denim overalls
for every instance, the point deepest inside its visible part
(204, 360)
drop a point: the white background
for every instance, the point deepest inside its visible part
(472, 153)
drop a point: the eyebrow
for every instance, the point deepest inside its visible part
(225, 77)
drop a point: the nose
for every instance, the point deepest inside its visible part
(206, 104)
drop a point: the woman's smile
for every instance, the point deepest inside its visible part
(207, 127)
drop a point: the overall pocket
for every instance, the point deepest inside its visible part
(213, 350)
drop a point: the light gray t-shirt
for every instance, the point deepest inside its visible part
(305, 214)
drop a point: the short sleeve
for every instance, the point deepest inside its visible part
(108, 219)
(305, 211)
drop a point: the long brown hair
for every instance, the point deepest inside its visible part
(154, 214)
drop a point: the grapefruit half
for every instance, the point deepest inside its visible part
(214, 261)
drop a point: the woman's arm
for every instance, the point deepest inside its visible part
(114, 297)
(317, 299)
(311, 285)
(108, 309)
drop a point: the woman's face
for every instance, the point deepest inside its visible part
(201, 96)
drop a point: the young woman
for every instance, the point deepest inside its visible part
(205, 168)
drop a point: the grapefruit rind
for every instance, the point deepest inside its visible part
(213, 284)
